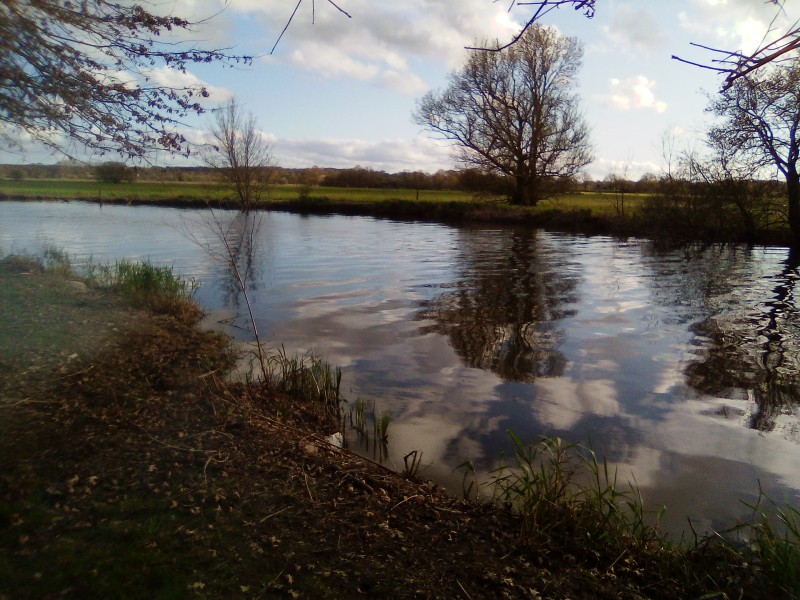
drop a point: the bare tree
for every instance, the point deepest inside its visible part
(514, 112)
(241, 152)
(620, 185)
(83, 72)
(760, 128)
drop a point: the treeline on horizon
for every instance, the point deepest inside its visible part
(467, 180)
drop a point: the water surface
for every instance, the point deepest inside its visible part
(680, 366)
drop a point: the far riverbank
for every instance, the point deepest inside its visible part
(587, 213)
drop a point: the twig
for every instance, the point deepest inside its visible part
(289, 22)
(276, 513)
(405, 500)
(543, 7)
(313, 18)
(463, 590)
(276, 578)
(310, 495)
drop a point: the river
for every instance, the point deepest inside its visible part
(679, 366)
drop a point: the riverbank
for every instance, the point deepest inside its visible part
(134, 468)
(590, 213)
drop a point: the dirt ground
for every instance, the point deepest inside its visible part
(131, 469)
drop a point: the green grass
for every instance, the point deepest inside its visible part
(773, 542)
(310, 381)
(205, 192)
(599, 203)
(69, 189)
(219, 192)
(566, 498)
(427, 205)
(562, 491)
(142, 284)
(127, 553)
(588, 212)
(26, 285)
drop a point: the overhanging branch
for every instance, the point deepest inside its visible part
(543, 7)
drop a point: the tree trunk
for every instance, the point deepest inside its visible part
(793, 201)
(524, 192)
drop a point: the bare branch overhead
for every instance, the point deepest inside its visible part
(99, 74)
(313, 18)
(543, 7)
(735, 64)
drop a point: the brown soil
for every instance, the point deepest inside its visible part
(132, 470)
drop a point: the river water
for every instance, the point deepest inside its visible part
(680, 366)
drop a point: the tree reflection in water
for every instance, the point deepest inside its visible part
(503, 314)
(230, 238)
(756, 350)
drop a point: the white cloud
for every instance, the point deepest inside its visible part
(408, 84)
(331, 62)
(385, 155)
(384, 42)
(168, 76)
(634, 93)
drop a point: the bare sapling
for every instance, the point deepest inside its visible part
(233, 245)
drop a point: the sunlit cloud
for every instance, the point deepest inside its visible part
(331, 62)
(377, 42)
(174, 78)
(384, 155)
(738, 25)
(634, 93)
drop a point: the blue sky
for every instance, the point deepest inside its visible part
(339, 92)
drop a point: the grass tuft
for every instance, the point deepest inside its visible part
(145, 285)
(307, 379)
(546, 485)
(774, 543)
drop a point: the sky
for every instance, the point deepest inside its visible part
(340, 91)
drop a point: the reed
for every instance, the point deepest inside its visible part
(380, 426)
(411, 464)
(143, 284)
(358, 417)
(308, 379)
(772, 543)
(562, 491)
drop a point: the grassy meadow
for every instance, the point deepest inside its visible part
(70, 189)
(194, 193)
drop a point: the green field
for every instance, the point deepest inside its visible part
(199, 193)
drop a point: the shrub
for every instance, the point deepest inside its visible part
(113, 172)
